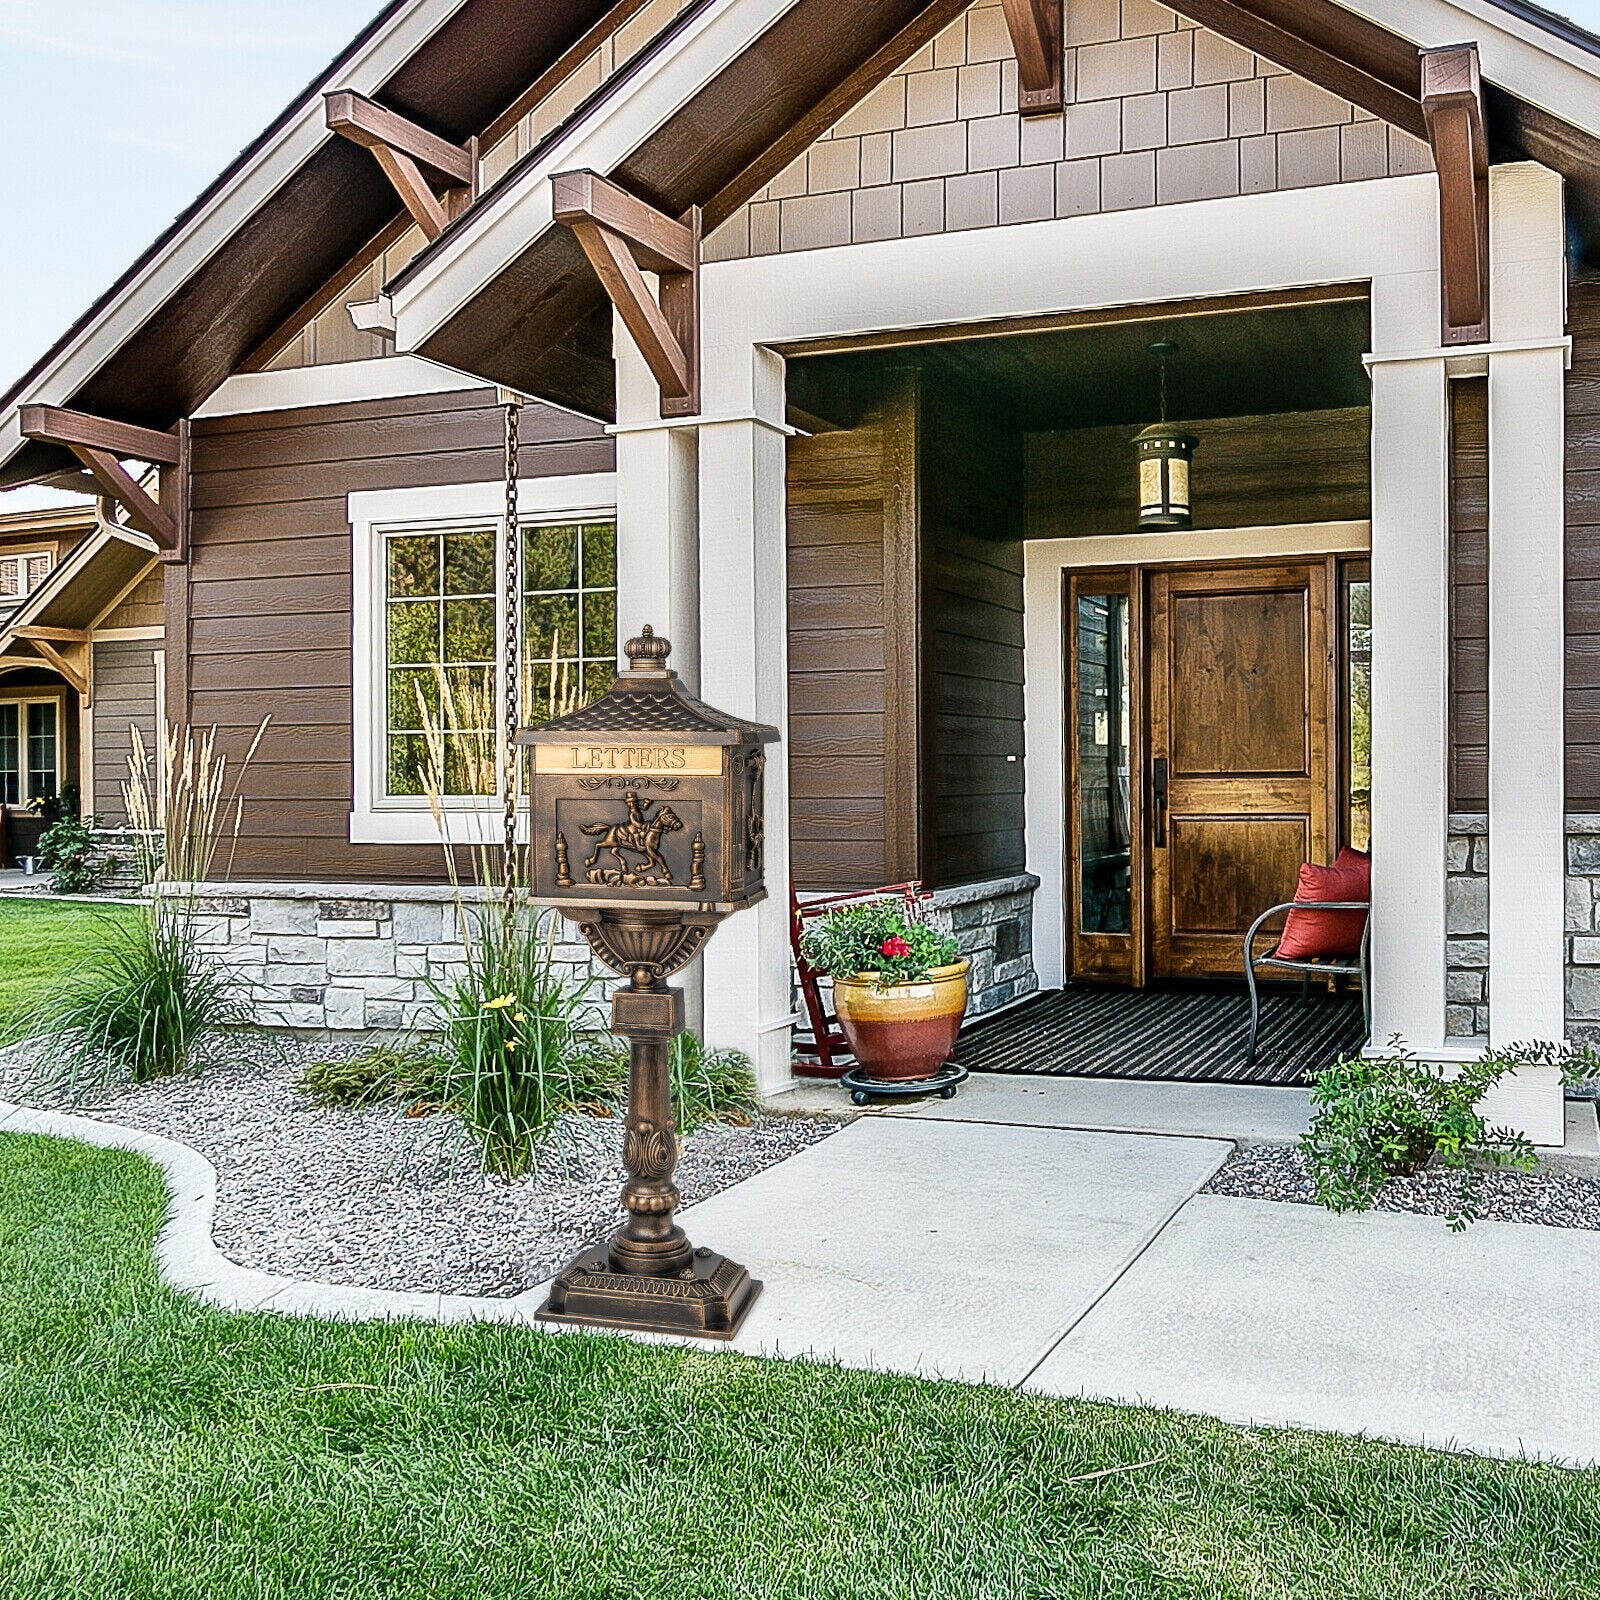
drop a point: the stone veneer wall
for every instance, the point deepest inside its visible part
(1467, 926)
(352, 958)
(1583, 927)
(1467, 948)
(356, 958)
(993, 926)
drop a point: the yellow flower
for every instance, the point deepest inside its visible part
(518, 1017)
(500, 1004)
(511, 1044)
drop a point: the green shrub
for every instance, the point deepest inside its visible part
(139, 1007)
(876, 937)
(516, 1062)
(707, 1085)
(69, 849)
(1390, 1116)
(409, 1075)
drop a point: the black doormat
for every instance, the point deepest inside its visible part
(1195, 1035)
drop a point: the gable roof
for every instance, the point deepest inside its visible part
(78, 589)
(714, 108)
(506, 293)
(286, 215)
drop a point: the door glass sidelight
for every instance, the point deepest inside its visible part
(1105, 889)
(1358, 713)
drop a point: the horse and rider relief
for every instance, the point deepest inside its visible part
(628, 854)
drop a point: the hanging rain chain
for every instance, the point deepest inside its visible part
(513, 656)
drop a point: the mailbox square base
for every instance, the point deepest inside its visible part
(709, 1299)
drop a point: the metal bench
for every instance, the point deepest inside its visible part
(1307, 966)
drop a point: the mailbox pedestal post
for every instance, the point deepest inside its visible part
(669, 794)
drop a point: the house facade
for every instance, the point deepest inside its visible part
(825, 332)
(81, 662)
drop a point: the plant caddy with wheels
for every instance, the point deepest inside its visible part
(647, 830)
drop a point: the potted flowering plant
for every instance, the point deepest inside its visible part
(899, 987)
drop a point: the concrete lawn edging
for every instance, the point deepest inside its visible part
(191, 1262)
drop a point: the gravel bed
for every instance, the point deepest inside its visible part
(373, 1199)
(1553, 1199)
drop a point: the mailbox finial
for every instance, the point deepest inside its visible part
(649, 652)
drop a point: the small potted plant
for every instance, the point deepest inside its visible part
(899, 987)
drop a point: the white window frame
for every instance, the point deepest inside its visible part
(22, 558)
(377, 817)
(22, 702)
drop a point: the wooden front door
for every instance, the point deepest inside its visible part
(1238, 758)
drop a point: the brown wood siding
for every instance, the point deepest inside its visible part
(1583, 549)
(265, 602)
(124, 698)
(836, 509)
(1469, 594)
(972, 602)
(1294, 466)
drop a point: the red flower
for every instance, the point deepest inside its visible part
(894, 945)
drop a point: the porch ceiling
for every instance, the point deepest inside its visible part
(1252, 361)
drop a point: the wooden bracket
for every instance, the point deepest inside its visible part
(1452, 103)
(75, 668)
(403, 149)
(100, 443)
(623, 239)
(1036, 29)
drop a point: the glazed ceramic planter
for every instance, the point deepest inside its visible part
(906, 1031)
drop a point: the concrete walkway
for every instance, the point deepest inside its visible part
(980, 1240)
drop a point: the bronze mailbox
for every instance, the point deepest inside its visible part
(648, 829)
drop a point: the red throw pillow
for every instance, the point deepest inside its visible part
(1332, 934)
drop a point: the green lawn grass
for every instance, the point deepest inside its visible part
(153, 1448)
(41, 941)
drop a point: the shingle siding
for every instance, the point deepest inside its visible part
(1159, 112)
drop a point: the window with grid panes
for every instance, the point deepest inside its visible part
(569, 616)
(441, 648)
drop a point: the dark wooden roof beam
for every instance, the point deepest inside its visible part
(402, 149)
(1036, 29)
(622, 239)
(1400, 105)
(1452, 102)
(99, 443)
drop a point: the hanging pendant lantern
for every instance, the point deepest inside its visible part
(1164, 453)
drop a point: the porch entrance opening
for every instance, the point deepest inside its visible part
(1107, 749)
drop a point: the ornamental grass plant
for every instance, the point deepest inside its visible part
(517, 1062)
(148, 1000)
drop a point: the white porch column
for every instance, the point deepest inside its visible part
(1527, 843)
(658, 536)
(1410, 713)
(744, 669)
(658, 545)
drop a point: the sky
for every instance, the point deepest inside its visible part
(116, 113)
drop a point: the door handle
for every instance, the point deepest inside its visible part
(1158, 799)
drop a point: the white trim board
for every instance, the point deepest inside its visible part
(376, 818)
(336, 383)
